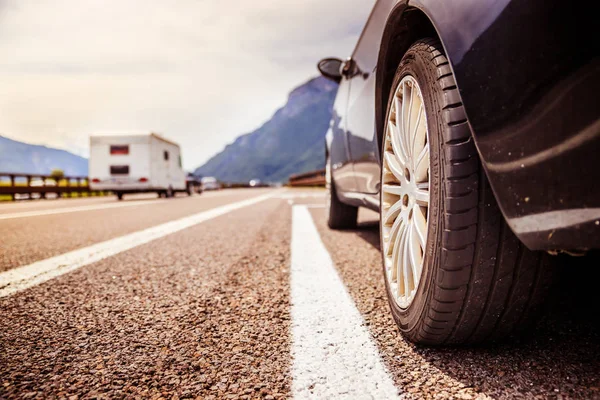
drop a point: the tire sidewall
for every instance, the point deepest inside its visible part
(329, 188)
(416, 65)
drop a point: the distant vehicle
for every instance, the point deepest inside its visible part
(473, 128)
(210, 183)
(136, 163)
(194, 183)
(254, 182)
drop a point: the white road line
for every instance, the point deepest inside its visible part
(66, 210)
(21, 278)
(333, 355)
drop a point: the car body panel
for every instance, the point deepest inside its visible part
(361, 129)
(337, 143)
(529, 85)
(361, 133)
(529, 80)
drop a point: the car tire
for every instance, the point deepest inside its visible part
(477, 281)
(119, 196)
(339, 215)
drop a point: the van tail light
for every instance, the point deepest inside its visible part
(143, 180)
(95, 180)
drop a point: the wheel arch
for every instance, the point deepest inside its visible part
(404, 26)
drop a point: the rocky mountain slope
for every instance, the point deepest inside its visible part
(27, 158)
(292, 141)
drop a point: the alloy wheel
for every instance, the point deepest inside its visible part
(405, 191)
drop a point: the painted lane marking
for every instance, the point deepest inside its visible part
(24, 277)
(333, 354)
(66, 210)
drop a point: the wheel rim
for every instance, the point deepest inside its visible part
(405, 191)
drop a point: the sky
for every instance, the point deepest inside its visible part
(200, 72)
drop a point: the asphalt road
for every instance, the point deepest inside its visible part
(246, 294)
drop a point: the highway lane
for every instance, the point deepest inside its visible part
(29, 239)
(210, 311)
(27, 205)
(40, 206)
(193, 313)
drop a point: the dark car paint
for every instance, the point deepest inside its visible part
(528, 74)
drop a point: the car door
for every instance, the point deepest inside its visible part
(339, 151)
(360, 130)
(360, 124)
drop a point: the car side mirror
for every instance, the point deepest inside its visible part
(330, 68)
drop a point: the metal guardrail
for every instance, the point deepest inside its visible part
(313, 178)
(234, 185)
(29, 184)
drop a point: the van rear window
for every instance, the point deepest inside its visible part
(119, 169)
(119, 150)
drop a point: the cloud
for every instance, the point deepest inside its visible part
(199, 71)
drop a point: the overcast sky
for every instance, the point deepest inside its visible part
(201, 72)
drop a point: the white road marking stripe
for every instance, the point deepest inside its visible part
(333, 355)
(66, 210)
(21, 278)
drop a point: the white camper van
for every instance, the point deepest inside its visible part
(136, 163)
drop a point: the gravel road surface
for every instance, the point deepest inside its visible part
(212, 310)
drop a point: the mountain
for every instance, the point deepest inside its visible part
(292, 141)
(24, 158)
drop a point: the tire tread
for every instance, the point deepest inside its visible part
(487, 284)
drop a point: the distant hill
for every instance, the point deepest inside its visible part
(24, 158)
(292, 141)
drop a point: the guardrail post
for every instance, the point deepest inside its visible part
(28, 177)
(43, 193)
(12, 184)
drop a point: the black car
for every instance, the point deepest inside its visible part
(473, 127)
